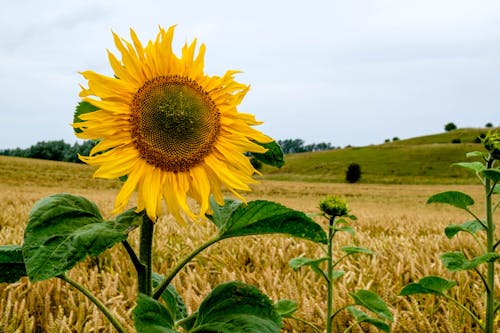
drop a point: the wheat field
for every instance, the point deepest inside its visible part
(393, 220)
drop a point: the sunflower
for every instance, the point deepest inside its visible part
(174, 131)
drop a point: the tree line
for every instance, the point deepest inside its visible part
(58, 150)
(291, 146)
(53, 150)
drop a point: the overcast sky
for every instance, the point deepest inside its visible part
(346, 72)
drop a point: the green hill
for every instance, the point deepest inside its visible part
(420, 160)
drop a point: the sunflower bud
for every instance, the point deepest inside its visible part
(334, 206)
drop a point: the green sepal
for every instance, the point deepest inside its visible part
(273, 156)
(372, 302)
(150, 316)
(235, 307)
(11, 263)
(454, 198)
(286, 308)
(355, 249)
(263, 217)
(173, 300)
(471, 227)
(82, 108)
(456, 261)
(298, 262)
(428, 285)
(64, 229)
(362, 317)
(474, 166)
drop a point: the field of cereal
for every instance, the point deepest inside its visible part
(393, 220)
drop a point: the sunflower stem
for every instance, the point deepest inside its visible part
(164, 284)
(329, 274)
(100, 305)
(144, 274)
(490, 240)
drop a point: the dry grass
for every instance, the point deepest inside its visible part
(393, 220)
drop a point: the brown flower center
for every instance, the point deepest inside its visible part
(174, 122)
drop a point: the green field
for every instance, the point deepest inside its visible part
(421, 160)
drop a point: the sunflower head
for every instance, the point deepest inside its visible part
(175, 132)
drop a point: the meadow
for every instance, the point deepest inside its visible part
(393, 220)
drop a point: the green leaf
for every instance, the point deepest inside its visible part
(11, 263)
(456, 261)
(82, 108)
(64, 229)
(347, 229)
(337, 275)
(372, 302)
(454, 198)
(474, 154)
(474, 166)
(491, 174)
(150, 316)
(355, 249)
(236, 307)
(264, 217)
(298, 262)
(286, 308)
(173, 301)
(496, 189)
(428, 285)
(471, 227)
(362, 317)
(273, 156)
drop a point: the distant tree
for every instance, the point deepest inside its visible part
(387, 140)
(395, 138)
(488, 125)
(450, 127)
(353, 173)
(456, 140)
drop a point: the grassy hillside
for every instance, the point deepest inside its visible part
(421, 160)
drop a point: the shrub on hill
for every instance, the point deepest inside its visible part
(353, 173)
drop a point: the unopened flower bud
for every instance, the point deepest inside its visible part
(334, 206)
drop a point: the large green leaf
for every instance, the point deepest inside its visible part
(471, 227)
(150, 316)
(273, 156)
(362, 317)
(82, 108)
(454, 198)
(64, 229)
(264, 217)
(428, 285)
(456, 261)
(11, 263)
(372, 302)
(173, 301)
(236, 307)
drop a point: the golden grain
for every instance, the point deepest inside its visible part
(393, 220)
